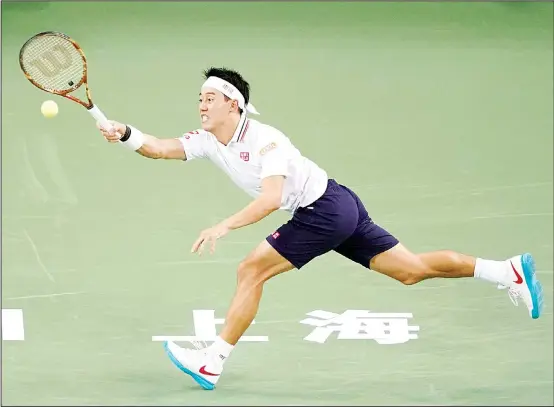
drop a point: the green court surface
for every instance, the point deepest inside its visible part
(438, 115)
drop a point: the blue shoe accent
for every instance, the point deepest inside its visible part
(200, 380)
(534, 285)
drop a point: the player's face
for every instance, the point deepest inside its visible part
(213, 109)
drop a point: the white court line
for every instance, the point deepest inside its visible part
(200, 261)
(437, 185)
(196, 338)
(513, 215)
(43, 296)
(485, 189)
(34, 247)
(543, 271)
(388, 219)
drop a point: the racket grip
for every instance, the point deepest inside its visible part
(100, 117)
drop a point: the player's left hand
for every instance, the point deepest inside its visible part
(209, 237)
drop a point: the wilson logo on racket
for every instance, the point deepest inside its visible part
(53, 61)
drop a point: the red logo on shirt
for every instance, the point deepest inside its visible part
(275, 235)
(245, 155)
(191, 132)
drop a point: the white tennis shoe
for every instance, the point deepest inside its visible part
(200, 364)
(525, 284)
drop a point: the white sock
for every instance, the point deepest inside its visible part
(492, 270)
(221, 350)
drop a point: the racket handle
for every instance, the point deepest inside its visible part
(100, 117)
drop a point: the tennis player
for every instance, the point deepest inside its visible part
(326, 216)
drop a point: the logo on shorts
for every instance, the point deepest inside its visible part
(275, 235)
(245, 155)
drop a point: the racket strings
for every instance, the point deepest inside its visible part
(53, 63)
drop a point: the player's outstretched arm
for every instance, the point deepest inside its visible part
(267, 202)
(145, 144)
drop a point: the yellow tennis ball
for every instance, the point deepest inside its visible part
(49, 108)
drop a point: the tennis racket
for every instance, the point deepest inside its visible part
(55, 63)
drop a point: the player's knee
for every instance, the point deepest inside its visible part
(249, 272)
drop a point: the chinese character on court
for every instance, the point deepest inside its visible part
(12, 325)
(205, 322)
(383, 328)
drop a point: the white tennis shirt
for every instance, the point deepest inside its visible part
(257, 151)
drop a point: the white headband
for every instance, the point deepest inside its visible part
(230, 91)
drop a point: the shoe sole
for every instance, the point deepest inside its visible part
(534, 285)
(198, 379)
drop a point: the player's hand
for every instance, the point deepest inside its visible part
(112, 135)
(209, 237)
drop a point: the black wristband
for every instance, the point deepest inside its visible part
(127, 134)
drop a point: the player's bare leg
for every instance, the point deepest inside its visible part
(206, 365)
(258, 267)
(517, 273)
(409, 268)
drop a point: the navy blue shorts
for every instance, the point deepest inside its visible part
(337, 221)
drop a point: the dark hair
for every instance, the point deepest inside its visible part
(233, 77)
